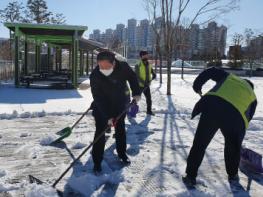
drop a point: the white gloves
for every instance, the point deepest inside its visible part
(137, 98)
(112, 122)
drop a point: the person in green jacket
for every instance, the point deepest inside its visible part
(145, 75)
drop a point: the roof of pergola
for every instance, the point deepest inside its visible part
(60, 35)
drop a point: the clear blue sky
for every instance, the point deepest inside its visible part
(103, 14)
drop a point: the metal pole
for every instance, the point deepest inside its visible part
(17, 57)
(75, 60)
(92, 60)
(87, 66)
(25, 58)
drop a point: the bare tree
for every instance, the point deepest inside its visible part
(250, 53)
(157, 27)
(115, 44)
(181, 47)
(172, 12)
(237, 39)
(12, 13)
(235, 53)
(5, 49)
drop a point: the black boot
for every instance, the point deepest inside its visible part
(150, 113)
(233, 178)
(125, 159)
(190, 182)
(97, 169)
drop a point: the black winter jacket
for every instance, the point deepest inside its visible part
(109, 91)
(208, 101)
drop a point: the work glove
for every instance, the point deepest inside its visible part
(137, 98)
(112, 122)
(133, 110)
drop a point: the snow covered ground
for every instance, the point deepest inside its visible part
(157, 146)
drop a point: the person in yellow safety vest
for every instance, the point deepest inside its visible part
(228, 106)
(145, 75)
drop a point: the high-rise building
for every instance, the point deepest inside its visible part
(102, 38)
(150, 39)
(256, 45)
(195, 42)
(131, 32)
(96, 34)
(131, 38)
(209, 42)
(194, 39)
(108, 35)
(215, 40)
(119, 32)
(144, 24)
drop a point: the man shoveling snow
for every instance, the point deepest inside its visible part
(228, 106)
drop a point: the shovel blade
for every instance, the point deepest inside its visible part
(33, 179)
(252, 158)
(63, 131)
(66, 132)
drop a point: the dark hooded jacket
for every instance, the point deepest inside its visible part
(208, 101)
(109, 91)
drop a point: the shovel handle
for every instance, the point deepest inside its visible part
(94, 141)
(80, 118)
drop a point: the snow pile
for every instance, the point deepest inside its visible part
(36, 114)
(93, 182)
(2, 173)
(34, 190)
(79, 145)
(47, 139)
(13, 115)
(6, 188)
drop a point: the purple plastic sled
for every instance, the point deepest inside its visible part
(252, 159)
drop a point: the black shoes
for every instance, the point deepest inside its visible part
(190, 182)
(125, 159)
(97, 169)
(233, 178)
(150, 113)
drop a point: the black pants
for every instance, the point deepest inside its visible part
(226, 118)
(120, 136)
(147, 93)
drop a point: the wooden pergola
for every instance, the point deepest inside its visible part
(57, 37)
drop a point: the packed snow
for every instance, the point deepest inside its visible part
(157, 146)
(34, 190)
(78, 145)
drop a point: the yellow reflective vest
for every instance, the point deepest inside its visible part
(140, 70)
(237, 92)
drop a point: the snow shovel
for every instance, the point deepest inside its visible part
(251, 159)
(68, 130)
(33, 179)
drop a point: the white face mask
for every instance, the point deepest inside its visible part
(106, 72)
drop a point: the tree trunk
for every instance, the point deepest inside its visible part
(251, 71)
(182, 74)
(169, 75)
(161, 68)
